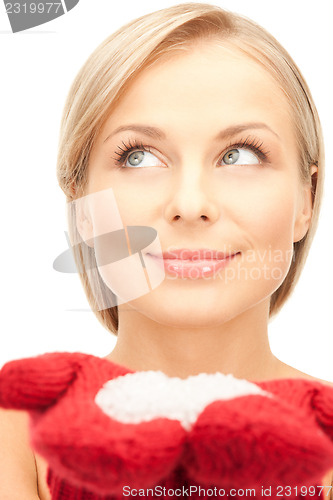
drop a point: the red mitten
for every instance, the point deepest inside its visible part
(101, 426)
(273, 440)
(82, 444)
(36, 383)
(323, 406)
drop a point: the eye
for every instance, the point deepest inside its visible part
(142, 159)
(239, 157)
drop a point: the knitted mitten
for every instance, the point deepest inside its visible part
(101, 426)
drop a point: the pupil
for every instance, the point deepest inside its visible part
(136, 158)
(231, 156)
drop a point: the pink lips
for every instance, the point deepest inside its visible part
(194, 263)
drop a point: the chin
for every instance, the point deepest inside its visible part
(193, 307)
(192, 310)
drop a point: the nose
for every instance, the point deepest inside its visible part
(192, 198)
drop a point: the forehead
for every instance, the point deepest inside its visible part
(207, 86)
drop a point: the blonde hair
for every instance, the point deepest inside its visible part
(110, 70)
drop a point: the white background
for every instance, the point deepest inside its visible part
(42, 310)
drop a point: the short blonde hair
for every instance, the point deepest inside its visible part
(112, 67)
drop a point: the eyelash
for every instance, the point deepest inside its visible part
(124, 152)
(254, 145)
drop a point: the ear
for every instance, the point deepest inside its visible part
(305, 206)
(83, 221)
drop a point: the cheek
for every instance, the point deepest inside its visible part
(136, 205)
(119, 250)
(273, 223)
(266, 212)
(135, 197)
(104, 212)
(267, 226)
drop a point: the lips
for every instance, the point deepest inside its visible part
(196, 263)
(197, 254)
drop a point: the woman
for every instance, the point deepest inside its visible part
(194, 122)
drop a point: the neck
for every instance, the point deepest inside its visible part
(239, 346)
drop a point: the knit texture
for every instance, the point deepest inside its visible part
(278, 435)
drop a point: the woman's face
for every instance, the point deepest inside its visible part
(202, 148)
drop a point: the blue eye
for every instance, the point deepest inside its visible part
(135, 159)
(142, 159)
(134, 155)
(240, 157)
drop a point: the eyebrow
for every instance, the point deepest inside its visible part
(157, 133)
(237, 129)
(144, 129)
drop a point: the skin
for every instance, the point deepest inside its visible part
(258, 208)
